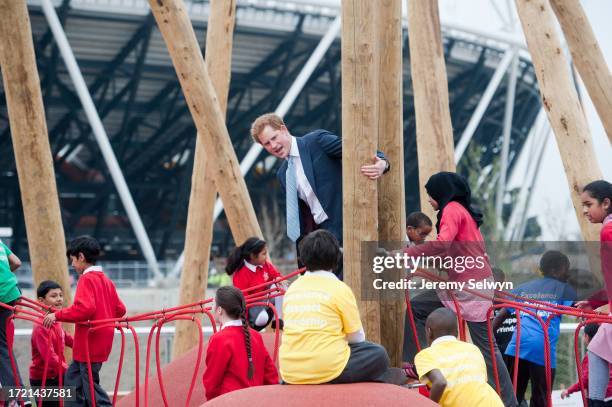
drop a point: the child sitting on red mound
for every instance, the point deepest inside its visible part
(454, 371)
(324, 340)
(236, 357)
(249, 267)
(95, 299)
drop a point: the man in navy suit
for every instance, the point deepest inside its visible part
(317, 159)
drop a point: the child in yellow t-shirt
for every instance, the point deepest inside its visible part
(454, 371)
(323, 340)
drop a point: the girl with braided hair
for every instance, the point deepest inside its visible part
(236, 357)
(248, 265)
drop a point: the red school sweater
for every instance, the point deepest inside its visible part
(604, 296)
(95, 299)
(227, 363)
(54, 351)
(245, 278)
(585, 379)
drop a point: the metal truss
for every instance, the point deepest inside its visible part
(155, 136)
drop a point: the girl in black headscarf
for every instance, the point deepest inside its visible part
(458, 238)
(445, 187)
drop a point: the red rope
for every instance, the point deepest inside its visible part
(137, 357)
(578, 362)
(9, 329)
(147, 364)
(92, 394)
(32, 311)
(522, 308)
(492, 351)
(198, 358)
(410, 316)
(597, 320)
(118, 378)
(552, 309)
(516, 354)
(460, 322)
(160, 376)
(46, 366)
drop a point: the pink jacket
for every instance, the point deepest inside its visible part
(460, 237)
(601, 344)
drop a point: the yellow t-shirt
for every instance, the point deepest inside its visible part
(319, 311)
(464, 369)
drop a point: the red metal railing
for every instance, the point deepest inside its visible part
(32, 311)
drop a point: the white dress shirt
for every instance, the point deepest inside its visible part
(305, 191)
(92, 268)
(232, 322)
(250, 266)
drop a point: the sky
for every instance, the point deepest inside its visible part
(551, 201)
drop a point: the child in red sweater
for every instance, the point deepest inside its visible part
(249, 267)
(590, 331)
(95, 299)
(236, 357)
(45, 350)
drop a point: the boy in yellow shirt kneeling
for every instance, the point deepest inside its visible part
(455, 371)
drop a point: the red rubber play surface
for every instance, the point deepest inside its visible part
(177, 377)
(353, 395)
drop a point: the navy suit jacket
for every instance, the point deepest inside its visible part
(321, 156)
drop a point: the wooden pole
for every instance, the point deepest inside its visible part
(176, 29)
(391, 199)
(199, 232)
(359, 143)
(434, 131)
(46, 241)
(587, 57)
(561, 103)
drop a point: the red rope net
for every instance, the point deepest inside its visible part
(34, 312)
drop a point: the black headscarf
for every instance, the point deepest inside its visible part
(445, 187)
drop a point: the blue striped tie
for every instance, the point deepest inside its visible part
(293, 215)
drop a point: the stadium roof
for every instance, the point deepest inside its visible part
(132, 81)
